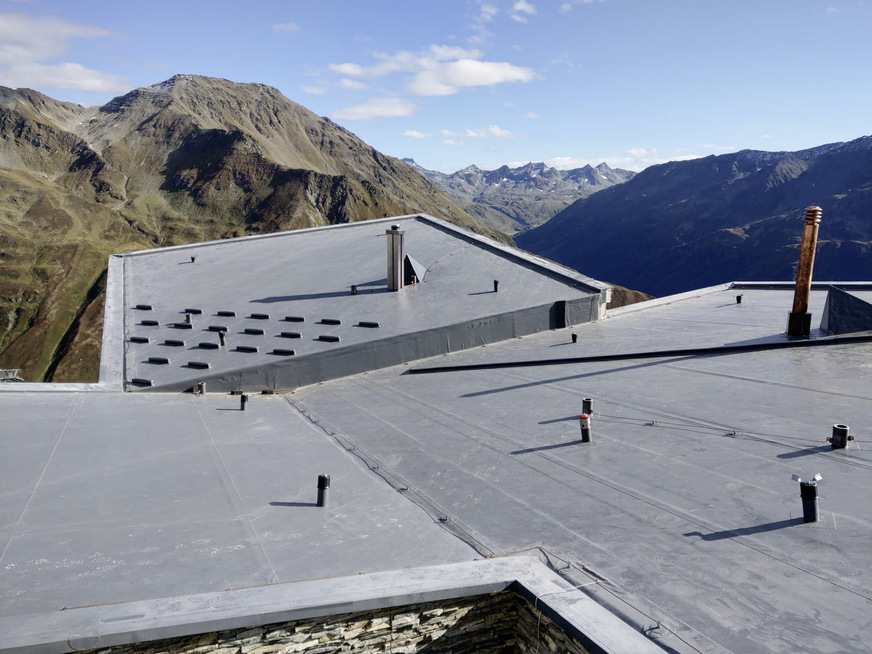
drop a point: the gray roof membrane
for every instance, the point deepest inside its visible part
(682, 505)
(285, 305)
(683, 502)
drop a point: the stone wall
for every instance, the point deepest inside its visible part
(501, 623)
(536, 634)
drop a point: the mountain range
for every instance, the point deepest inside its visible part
(190, 159)
(688, 224)
(513, 200)
(196, 158)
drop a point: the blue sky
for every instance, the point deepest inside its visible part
(485, 82)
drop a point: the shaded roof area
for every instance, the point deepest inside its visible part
(285, 304)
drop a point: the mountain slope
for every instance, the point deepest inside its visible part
(516, 199)
(187, 160)
(685, 225)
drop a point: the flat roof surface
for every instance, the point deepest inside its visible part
(110, 497)
(682, 504)
(287, 291)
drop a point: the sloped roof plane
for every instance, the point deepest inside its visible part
(129, 514)
(305, 306)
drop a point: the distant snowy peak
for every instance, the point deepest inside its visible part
(514, 199)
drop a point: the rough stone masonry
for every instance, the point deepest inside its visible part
(500, 623)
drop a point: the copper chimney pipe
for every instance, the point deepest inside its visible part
(799, 320)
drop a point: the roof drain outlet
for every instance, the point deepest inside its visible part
(799, 320)
(395, 257)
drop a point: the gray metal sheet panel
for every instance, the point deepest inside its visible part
(309, 274)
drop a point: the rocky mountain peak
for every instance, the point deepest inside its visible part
(189, 159)
(516, 199)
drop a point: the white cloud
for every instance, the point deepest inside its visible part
(377, 108)
(488, 12)
(450, 78)
(438, 70)
(63, 76)
(404, 61)
(567, 6)
(26, 42)
(286, 27)
(415, 134)
(347, 69)
(352, 84)
(314, 90)
(26, 39)
(521, 10)
(500, 132)
(531, 114)
(446, 132)
(453, 142)
(481, 133)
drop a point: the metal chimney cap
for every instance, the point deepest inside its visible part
(813, 215)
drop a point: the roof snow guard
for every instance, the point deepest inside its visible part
(219, 312)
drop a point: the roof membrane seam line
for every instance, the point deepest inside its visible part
(767, 382)
(664, 354)
(694, 521)
(674, 511)
(739, 539)
(245, 516)
(73, 406)
(504, 439)
(443, 257)
(610, 587)
(394, 392)
(689, 422)
(375, 465)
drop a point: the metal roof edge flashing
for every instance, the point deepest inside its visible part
(554, 271)
(108, 625)
(815, 286)
(255, 237)
(666, 300)
(58, 387)
(112, 342)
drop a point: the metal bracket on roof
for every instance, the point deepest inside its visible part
(413, 272)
